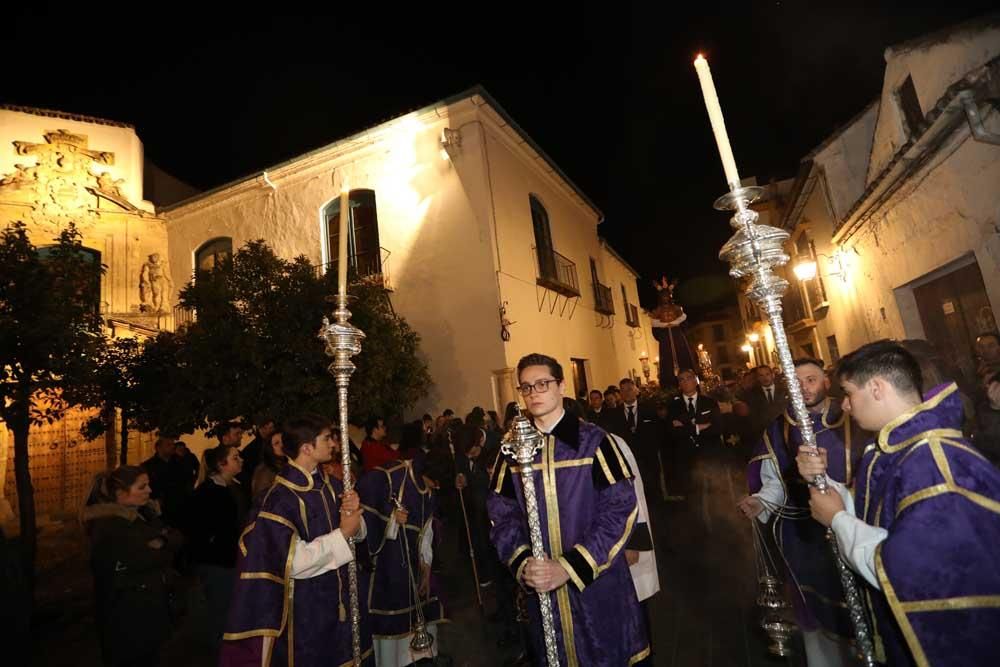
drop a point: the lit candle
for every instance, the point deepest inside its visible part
(342, 237)
(718, 123)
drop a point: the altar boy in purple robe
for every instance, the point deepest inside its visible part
(924, 523)
(816, 592)
(399, 500)
(587, 508)
(291, 602)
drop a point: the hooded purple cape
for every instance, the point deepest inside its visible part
(308, 618)
(939, 568)
(391, 597)
(817, 594)
(587, 508)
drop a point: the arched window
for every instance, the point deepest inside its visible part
(364, 252)
(91, 257)
(543, 240)
(212, 253)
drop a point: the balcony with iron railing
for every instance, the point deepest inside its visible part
(365, 266)
(556, 272)
(631, 315)
(603, 302)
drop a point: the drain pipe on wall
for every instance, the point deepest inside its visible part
(976, 125)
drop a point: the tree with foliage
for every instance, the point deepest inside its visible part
(254, 348)
(50, 337)
(110, 389)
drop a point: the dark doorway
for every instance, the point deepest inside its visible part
(954, 310)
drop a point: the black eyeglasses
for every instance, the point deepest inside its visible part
(540, 387)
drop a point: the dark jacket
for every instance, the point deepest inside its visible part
(986, 434)
(170, 482)
(706, 411)
(612, 420)
(133, 617)
(213, 525)
(252, 455)
(762, 412)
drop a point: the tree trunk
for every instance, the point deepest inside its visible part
(110, 441)
(124, 458)
(25, 492)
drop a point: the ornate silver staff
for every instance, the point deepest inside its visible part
(752, 253)
(343, 341)
(521, 443)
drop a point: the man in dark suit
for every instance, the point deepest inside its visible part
(612, 415)
(694, 425)
(645, 433)
(767, 400)
(595, 406)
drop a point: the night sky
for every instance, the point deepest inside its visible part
(610, 93)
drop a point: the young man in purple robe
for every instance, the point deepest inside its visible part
(816, 592)
(924, 523)
(291, 604)
(399, 500)
(587, 508)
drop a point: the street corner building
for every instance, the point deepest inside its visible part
(487, 248)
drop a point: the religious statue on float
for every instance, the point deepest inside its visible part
(667, 318)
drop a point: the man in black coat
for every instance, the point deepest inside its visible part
(645, 432)
(232, 434)
(694, 425)
(168, 479)
(767, 400)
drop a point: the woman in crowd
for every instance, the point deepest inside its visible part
(131, 551)
(272, 460)
(214, 520)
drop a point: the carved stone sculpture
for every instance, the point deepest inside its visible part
(154, 285)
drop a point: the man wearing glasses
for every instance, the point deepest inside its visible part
(587, 508)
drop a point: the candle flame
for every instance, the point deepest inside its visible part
(700, 57)
(344, 186)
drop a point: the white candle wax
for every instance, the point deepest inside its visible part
(718, 122)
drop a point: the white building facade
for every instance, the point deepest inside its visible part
(900, 209)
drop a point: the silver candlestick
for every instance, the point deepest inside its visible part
(521, 443)
(343, 341)
(752, 253)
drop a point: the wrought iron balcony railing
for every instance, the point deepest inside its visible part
(603, 302)
(367, 266)
(556, 272)
(631, 315)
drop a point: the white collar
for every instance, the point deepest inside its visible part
(633, 404)
(693, 396)
(556, 423)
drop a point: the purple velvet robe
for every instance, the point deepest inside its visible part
(587, 507)
(391, 597)
(816, 592)
(302, 615)
(939, 568)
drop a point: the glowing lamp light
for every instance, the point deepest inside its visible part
(805, 270)
(746, 348)
(754, 337)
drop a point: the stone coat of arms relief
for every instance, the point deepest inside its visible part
(62, 184)
(66, 184)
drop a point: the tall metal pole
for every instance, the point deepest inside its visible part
(343, 341)
(752, 253)
(521, 443)
(468, 531)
